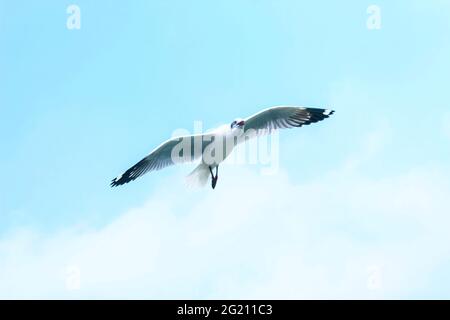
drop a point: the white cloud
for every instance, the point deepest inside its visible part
(314, 240)
(253, 237)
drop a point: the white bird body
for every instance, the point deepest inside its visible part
(215, 146)
(227, 136)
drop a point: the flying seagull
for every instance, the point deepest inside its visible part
(214, 146)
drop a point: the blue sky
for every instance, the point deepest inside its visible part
(80, 106)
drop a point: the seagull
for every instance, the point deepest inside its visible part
(214, 146)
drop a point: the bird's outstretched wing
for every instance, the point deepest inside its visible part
(265, 121)
(173, 151)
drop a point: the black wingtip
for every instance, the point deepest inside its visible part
(313, 115)
(123, 179)
(118, 181)
(327, 112)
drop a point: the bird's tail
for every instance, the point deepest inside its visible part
(199, 176)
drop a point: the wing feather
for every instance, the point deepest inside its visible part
(268, 120)
(163, 157)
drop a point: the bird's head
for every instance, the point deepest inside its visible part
(238, 123)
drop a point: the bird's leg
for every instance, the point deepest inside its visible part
(213, 178)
